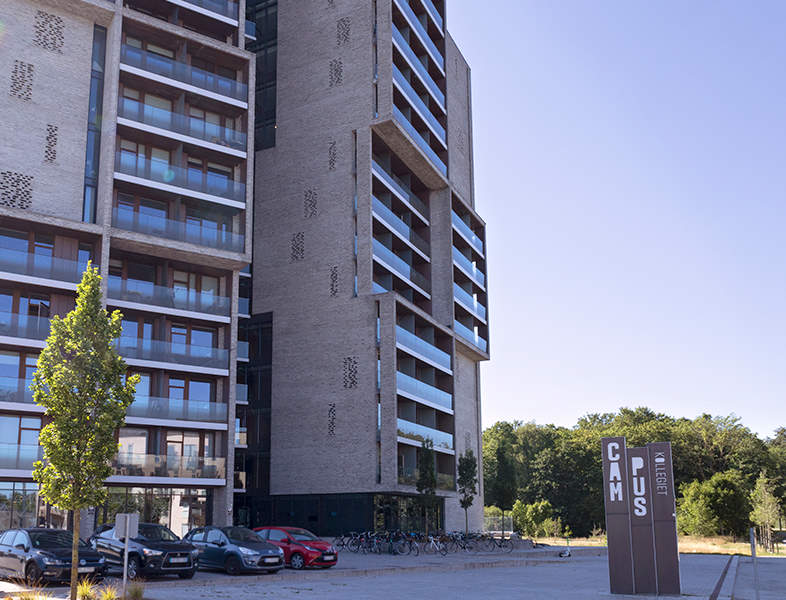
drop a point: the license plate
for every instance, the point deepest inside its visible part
(271, 560)
(85, 569)
(178, 559)
(328, 557)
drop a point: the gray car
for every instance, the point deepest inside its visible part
(235, 550)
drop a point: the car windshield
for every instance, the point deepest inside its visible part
(56, 538)
(241, 534)
(156, 533)
(301, 535)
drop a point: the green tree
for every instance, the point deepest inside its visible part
(765, 509)
(426, 483)
(467, 483)
(719, 505)
(504, 485)
(80, 382)
(694, 515)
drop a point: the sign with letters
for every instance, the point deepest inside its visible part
(641, 525)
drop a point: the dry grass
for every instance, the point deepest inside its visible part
(687, 544)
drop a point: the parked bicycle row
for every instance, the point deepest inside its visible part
(403, 543)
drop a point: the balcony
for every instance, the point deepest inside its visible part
(420, 140)
(179, 231)
(445, 481)
(179, 180)
(172, 352)
(469, 302)
(433, 13)
(24, 326)
(163, 465)
(395, 185)
(183, 126)
(225, 8)
(241, 436)
(413, 431)
(180, 410)
(251, 30)
(244, 306)
(377, 288)
(241, 393)
(240, 483)
(20, 456)
(422, 349)
(242, 350)
(469, 269)
(470, 336)
(467, 233)
(400, 42)
(13, 389)
(400, 267)
(181, 72)
(145, 292)
(420, 31)
(399, 227)
(405, 87)
(42, 267)
(418, 390)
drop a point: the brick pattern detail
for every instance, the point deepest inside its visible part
(331, 419)
(50, 150)
(350, 372)
(16, 189)
(334, 281)
(461, 142)
(310, 198)
(467, 440)
(343, 30)
(298, 249)
(331, 3)
(332, 155)
(48, 31)
(22, 80)
(336, 74)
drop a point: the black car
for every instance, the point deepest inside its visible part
(39, 554)
(235, 550)
(155, 551)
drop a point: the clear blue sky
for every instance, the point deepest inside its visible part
(630, 162)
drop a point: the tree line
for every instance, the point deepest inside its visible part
(726, 476)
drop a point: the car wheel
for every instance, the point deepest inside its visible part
(297, 561)
(33, 573)
(134, 567)
(232, 565)
(187, 574)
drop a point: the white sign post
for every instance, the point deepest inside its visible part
(126, 526)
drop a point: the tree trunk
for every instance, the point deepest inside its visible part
(503, 525)
(466, 520)
(75, 554)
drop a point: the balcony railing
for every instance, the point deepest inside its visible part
(413, 431)
(14, 389)
(460, 226)
(470, 335)
(394, 183)
(389, 218)
(145, 292)
(242, 350)
(400, 267)
(469, 301)
(189, 179)
(226, 8)
(240, 481)
(241, 436)
(403, 45)
(241, 393)
(36, 265)
(414, 387)
(410, 477)
(163, 465)
(446, 481)
(173, 352)
(178, 230)
(185, 73)
(244, 305)
(474, 273)
(377, 288)
(24, 326)
(422, 33)
(251, 30)
(420, 140)
(180, 123)
(181, 410)
(434, 14)
(20, 456)
(417, 103)
(420, 346)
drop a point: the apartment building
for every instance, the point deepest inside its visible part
(368, 291)
(127, 144)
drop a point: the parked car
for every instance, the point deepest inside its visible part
(155, 551)
(39, 554)
(235, 550)
(301, 547)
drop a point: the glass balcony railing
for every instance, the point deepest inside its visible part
(413, 431)
(183, 72)
(472, 271)
(241, 480)
(394, 183)
(225, 8)
(24, 326)
(420, 346)
(445, 481)
(173, 352)
(36, 265)
(377, 288)
(189, 179)
(460, 226)
(251, 30)
(246, 270)
(470, 335)
(414, 62)
(469, 301)
(14, 389)
(145, 292)
(420, 140)
(414, 387)
(410, 477)
(179, 123)
(20, 456)
(168, 465)
(434, 14)
(400, 267)
(241, 393)
(193, 233)
(244, 305)
(182, 410)
(389, 218)
(242, 350)
(421, 32)
(424, 111)
(241, 436)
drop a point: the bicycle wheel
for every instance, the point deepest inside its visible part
(490, 545)
(506, 546)
(354, 545)
(428, 547)
(401, 547)
(442, 548)
(414, 548)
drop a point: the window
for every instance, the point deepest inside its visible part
(214, 536)
(198, 536)
(18, 430)
(34, 305)
(21, 540)
(132, 441)
(191, 389)
(11, 239)
(182, 444)
(276, 535)
(7, 538)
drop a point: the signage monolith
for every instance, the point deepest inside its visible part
(664, 514)
(642, 541)
(618, 534)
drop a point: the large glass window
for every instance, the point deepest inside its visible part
(95, 110)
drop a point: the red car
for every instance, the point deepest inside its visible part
(301, 547)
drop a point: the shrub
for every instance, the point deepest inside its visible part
(136, 591)
(86, 590)
(110, 593)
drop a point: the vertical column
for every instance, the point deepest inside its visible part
(642, 541)
(615, 477)
(664, 518)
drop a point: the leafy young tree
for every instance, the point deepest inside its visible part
(765, 509)
(694, 515)
(505, 486)
(467, 482)
(426, 483)
(80, 383)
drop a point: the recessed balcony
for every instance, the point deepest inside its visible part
(402, 45)
(445, 481)
(242, 351)
(405, 87)
(469, 302)
(17, 390)
(24, 329)
(224, 10)
(434, 15)
(26, 267)
(421, 349)
(399, 228)
(421, 141)
(130, 464)
(421, 33)
(419, 433)
(469, 335)
(468, 268)
(419, 391)
(241, 393)
(20, 457)
(400, 268)
(148, 407)
(142, 352)
(464, 230)
(402, 192)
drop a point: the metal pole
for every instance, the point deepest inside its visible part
(125, 558)
(755, 563)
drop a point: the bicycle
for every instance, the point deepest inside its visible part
(434, 546)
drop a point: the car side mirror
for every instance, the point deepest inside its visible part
(285, 540)
(221, 543)
(21, 547)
